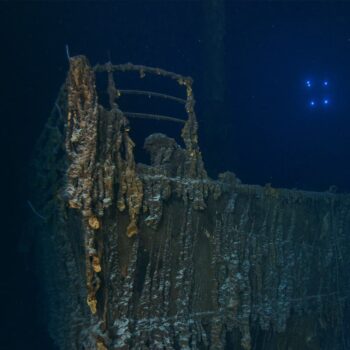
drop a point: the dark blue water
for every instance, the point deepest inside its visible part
(259, 123)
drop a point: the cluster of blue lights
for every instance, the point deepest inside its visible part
(318, 88)
(313, 103)
(309, 84)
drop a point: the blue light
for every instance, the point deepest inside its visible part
(325, 83)
(308, 83)
(326, 101)
(312, 103)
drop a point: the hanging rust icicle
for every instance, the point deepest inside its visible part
(81, 135)
(92, 171)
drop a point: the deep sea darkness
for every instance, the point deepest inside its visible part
(263, 129)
